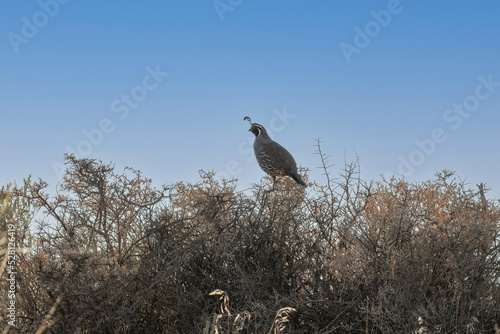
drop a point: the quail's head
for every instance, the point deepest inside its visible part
(255, 128)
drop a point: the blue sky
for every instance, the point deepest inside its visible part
(411, 87)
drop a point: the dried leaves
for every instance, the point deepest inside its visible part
(349, 256)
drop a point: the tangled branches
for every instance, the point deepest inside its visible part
(110, 253)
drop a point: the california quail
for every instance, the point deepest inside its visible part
(273, 158)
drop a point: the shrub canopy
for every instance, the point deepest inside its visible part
(108, 253)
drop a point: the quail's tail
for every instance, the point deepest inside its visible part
(296, 178)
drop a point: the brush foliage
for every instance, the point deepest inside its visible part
(108, 253)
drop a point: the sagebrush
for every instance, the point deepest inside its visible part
(109, 253)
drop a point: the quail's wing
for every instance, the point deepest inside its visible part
(281, 157)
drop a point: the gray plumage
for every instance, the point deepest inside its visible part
(273, 158)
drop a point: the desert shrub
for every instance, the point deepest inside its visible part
(109, 253)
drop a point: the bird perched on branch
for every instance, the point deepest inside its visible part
(273, 158)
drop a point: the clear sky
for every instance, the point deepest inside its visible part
(411, 87)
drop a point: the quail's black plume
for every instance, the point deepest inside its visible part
(273, 158)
